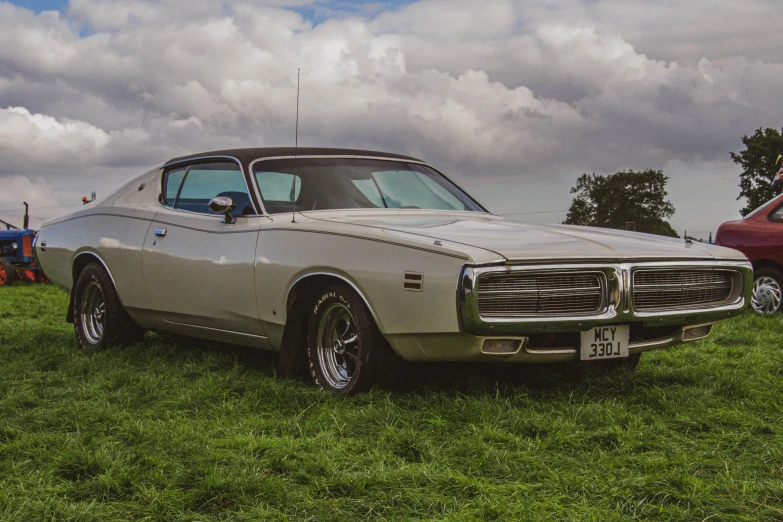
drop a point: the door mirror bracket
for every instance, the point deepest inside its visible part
(225, 206)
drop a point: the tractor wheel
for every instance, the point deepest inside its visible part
(6, 273)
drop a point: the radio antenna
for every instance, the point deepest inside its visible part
(296, 135)
(296, 146)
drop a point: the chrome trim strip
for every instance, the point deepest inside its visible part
(337, 156)
(149, 220)
(625, 290)
(362, 238)
(250, 192)
(648, 288)
(636, 346)
(229, 231)
(233, 332)
(665, 342)
(600, 276)
(348, 156)
(551, 351)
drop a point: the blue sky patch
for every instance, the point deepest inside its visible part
(41, 5)
(317, 12)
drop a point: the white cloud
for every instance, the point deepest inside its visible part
(506, 94)
(43, 200)
(45, 140)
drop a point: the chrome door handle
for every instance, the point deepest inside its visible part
(160, 232)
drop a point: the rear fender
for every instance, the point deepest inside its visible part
(80, 261)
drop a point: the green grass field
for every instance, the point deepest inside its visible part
(173, 431)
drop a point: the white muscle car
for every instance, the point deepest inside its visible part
(348, 261)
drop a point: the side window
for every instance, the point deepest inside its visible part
(172, 180)
(205, 181)
(776, 215)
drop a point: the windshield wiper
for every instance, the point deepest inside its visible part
(379, 190)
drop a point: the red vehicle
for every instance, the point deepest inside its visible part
(760, 237)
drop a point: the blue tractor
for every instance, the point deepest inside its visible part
(16, 254)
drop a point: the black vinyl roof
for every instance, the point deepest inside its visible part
(245, 156)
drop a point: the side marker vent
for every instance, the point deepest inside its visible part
(413, 282)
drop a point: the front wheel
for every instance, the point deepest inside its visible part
(346, 351)
(6, 273)
(767, 290)
(99, 319)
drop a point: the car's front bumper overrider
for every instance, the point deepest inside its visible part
(617, 306)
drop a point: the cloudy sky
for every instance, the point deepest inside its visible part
(514, 99)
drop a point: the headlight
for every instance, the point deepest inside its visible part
(14, 246)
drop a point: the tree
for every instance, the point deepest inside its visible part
(614, 200)
(758, 167)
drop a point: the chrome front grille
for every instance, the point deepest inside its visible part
(521, 294)
(659, 290)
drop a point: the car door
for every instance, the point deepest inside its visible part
(199, 270)
(773, 232)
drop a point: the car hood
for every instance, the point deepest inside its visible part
(518, 242)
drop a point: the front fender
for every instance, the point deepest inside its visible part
(375, 270)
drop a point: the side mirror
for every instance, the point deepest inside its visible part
(225, 206)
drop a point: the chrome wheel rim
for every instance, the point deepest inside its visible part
(766, 295)
(93, 312)
(338, 345)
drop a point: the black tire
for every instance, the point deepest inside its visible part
(94, 291)
(763, 299)
(367, 361)
(6, 273)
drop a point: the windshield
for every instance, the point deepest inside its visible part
(346, 183)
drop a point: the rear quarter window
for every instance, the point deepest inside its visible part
(172, 180)
(776, 215)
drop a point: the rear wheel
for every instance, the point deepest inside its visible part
(767, 290)
(99, 319)
(346, 351)
(6, 273)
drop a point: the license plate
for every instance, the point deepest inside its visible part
(605, 342)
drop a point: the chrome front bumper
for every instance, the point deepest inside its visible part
(682, 336)
(463, 347)
(618, 303)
